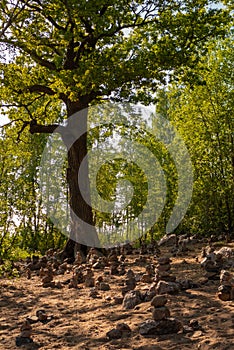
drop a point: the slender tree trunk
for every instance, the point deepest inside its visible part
(82, 230)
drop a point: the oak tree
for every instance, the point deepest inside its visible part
(70, 54)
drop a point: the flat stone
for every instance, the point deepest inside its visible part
(164, 260)
(166, 326)
(165, 267)
(160, 313)
(159, 300)
(32, 319)
(167, 287)
(98, 265)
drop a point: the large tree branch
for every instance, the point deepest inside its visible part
(35, 128)
(47, 90)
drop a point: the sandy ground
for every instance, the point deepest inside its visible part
(81, 322)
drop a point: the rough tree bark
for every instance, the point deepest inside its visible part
(82, 229)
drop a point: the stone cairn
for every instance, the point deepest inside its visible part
(148, 275)
(78, 259)
(100, 284)
(165, 282)
(213, 261)
(114, 263)
(161, 322)
(226, 288)
(46, 275)
(122, 269)
(162, 272)
(89, 279)
(25, 334)
(130, 282)
(77, 277)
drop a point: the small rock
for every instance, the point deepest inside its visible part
(132, 299)
(104, 286)
(159, 301)
(167, 326)
(167, 287)
(162, 268)
(114, 334)
(42, 317)
(160, 313)
(22, 341)
(124, 328)
(94, 293)
(146, 278)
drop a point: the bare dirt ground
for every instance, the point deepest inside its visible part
(81, 322)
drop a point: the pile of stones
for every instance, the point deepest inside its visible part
(35, 263)
(226, 288)
(151, 248)
(46, 275)
(101, 284)
(114, 263)
(149, 273)
(213, 261)
(162, 272)
(165, 282)
(130, 282)
(161, 322)
(77, 277)
(89, 280)
(25, 334)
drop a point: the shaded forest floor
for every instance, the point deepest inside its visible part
(81, 322)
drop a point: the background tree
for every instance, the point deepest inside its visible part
(204, 116)
(24, 226)
(74, 54)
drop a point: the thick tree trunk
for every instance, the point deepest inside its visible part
(82, 230)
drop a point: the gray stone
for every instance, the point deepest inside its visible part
(167, 287)
(166, 326)
(131, 299)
